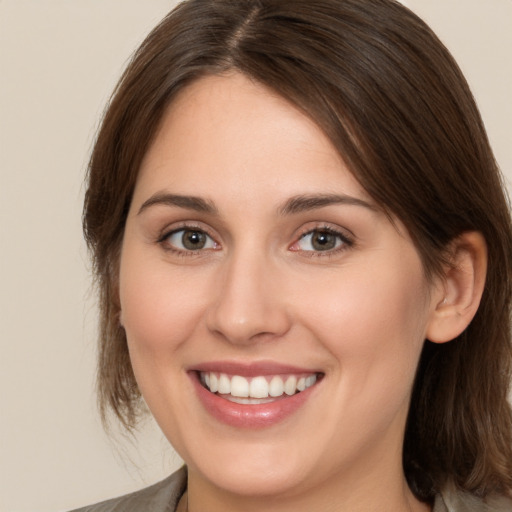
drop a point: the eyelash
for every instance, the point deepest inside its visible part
(346, 241)
(163, 240)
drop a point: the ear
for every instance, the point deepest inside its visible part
(461, 288)
(120, 319)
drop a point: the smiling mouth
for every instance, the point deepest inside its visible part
(258, 389)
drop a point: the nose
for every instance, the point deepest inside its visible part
(250, 303)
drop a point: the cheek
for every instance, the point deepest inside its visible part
(160, 308)
(373, 325)
(372, 322)
(160, 312)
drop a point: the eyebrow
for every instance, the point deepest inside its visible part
(294, 205)
(304, 203)
(189, 202)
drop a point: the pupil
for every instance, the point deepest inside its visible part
(323, 241)
(193, 240)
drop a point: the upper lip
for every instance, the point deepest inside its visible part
(250, 369)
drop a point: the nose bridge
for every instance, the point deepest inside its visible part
(248, 303)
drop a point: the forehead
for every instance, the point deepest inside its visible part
(233, 131)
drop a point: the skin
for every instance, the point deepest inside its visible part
(260, 291)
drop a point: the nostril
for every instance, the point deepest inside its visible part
(248, 328)
(249, 305)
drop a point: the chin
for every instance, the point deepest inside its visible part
(250, 465)
(256, 478)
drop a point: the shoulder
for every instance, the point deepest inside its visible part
(457, 501)
(160, 497)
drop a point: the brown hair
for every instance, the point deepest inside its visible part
(391, 98)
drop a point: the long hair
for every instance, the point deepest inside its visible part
(394, 103)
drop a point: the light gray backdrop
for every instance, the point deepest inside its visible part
(59, 60)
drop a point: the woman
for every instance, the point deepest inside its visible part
(303, 252)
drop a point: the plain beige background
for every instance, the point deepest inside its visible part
(59, 60)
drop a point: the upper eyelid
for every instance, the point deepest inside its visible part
(163, 241)
(183, 226)
(345, 239)
(323, 226)
(310, 227)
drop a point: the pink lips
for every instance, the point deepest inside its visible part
(253, 416)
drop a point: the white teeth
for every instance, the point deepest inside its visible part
(259, 388)
(214, 382)
(256, 389)
(276, 387)
(249, 401)
(239, 386)
(224, 385)
(290, 385)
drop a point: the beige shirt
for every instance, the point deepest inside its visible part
(165, 495)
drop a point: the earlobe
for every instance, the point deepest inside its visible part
(462, 288)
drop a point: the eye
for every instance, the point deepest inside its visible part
(189, 240)
(321, 240)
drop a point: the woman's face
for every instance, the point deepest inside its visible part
(254, 262)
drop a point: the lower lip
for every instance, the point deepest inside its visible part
(253, 416)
